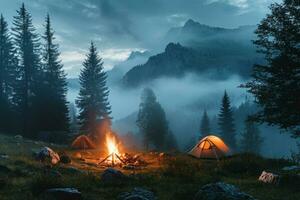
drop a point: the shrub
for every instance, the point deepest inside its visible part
(243, 164)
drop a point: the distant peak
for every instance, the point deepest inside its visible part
(190, 22)
(171, 46)
(135, 54)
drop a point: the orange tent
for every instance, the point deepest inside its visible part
(210, 147)
(83, 142)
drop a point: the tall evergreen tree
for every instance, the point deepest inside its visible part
(93, 95)
(205, 125)
(276, 84)
(27, 45)
(54, 102)
(226, 122)
(152, 121)
(251, 139)
(8, 66)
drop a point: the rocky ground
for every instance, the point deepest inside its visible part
(26, 174)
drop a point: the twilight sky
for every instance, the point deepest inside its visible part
(121, 26)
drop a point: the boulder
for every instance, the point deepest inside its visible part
(65, 159)
(4, 156)
(18, 137)
(137, 194)
(53, 173)
(112, 175)
(48, 154)
(291, 168)
(62, 194)
(221, 191)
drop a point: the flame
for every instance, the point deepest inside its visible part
(111, 144)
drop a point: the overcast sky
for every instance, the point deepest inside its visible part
(121, 26)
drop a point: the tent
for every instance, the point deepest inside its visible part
(210, 147)
(83, 142)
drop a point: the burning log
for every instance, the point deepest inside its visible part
(113, 152)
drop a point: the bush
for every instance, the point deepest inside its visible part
(190, 169)
(244, 164)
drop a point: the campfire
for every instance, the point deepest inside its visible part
(114, 156)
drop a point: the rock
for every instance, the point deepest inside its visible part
(53, 173)
(291, 168)
(46, 153)
(268, 177)
(62, 194)
(73, 170)
(137, 194)
(4, 170)
(112, 175)
(4, 156)
(65, 159)
(221, 191)
(18, 137)
(78, 155)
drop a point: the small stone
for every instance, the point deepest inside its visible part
(18, 137)
(53, 173)
(137, 194)
(65, 159)
(291, 168)
(4, 156)
(221, 191)
(112, 175)
(78, 155)
(63, 194)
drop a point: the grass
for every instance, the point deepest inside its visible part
(177, 178)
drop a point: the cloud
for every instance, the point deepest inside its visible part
(129, 24)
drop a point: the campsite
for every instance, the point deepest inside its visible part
(27, 179)
(150, 100)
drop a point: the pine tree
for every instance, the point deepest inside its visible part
(251, 140)
(8, 64)
(54, 86)
(226, 122)
(152, 121)
(29, 70)
(275, 85)
(205, 125)
(93, 95)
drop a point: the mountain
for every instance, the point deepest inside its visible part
(215, 52)
(136, 57)
(193, 31)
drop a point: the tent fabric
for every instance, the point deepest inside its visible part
(83, 142)
(210, 147)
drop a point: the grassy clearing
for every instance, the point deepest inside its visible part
(177, 178)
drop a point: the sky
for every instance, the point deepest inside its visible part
(119, 27)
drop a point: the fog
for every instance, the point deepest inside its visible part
(184, 100)
(184, 94)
